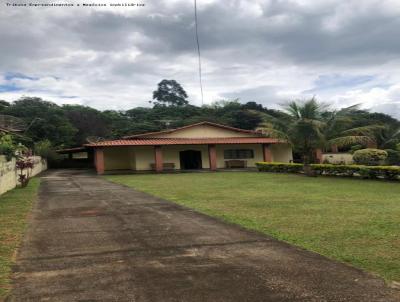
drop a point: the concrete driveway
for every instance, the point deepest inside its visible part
(92, 240)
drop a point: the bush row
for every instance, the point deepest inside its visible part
(280, 167)
(369, 172)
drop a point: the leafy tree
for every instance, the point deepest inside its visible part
(87, 121)
(390, 137)
(309, 125)
(302, 126)
(393, 157)
(345, 129)
(171, 93)
(45, 150)
(46, 120)
(4, 105)
(7, 146)
(124, 123)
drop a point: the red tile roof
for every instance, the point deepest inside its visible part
(184, 141)
(190, 126)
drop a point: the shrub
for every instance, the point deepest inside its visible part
(387, 172)
(393, 157)
(45, 150)
(337, 170)
(367, 172)
(356, 148)
(23, 165)
(280, 167)
(369, 156)
(7, 146)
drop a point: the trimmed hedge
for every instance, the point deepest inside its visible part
(280, 167)
(367, 172)
(370, 156)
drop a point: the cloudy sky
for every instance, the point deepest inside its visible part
(269, 51)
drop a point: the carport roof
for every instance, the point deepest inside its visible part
(185, 141)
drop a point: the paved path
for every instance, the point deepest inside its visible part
(92, 240)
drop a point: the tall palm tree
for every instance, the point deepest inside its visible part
(340, 130)
(308, 126)
(390, 137)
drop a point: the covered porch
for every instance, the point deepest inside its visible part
(178, 157)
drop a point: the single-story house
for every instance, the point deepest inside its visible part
(203, 145)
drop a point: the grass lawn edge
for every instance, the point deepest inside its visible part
(15, 208)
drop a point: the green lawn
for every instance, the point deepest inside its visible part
(14, 208)
(354, 221)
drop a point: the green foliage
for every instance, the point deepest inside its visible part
(4, 105)
(170, 92)
(393, 157)
(336, 170)
(307, 125)
(302, 125)
(367, 172)
(355, 148)
(46, 120)
(87, 121)
(280, 167)
(45, 149)
(369, 156)
(373, 172)
(14, 208)
(7, 146)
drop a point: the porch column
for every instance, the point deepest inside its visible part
(267, 153)
(212, 156)
(99, 160)
(318, 155)
(158, 158)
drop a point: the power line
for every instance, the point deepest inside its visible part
(198, 52)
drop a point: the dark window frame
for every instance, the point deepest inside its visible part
(238, 154)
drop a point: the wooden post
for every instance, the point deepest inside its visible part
(267, 153)
(212, 156)
(158, 158)
(99, 160)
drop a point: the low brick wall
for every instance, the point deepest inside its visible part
(9, 175)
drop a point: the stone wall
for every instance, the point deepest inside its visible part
(8, 173)
(337, 158)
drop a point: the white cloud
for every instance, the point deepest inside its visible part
(267, 51)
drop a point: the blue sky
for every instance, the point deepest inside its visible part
(341, 52)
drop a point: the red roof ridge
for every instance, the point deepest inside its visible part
(185, 138)
(185, 141)
(190, 126)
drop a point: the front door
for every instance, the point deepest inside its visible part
(190, 160)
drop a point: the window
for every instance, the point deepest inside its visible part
(238, 153)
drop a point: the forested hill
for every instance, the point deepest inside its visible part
(71, 125)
